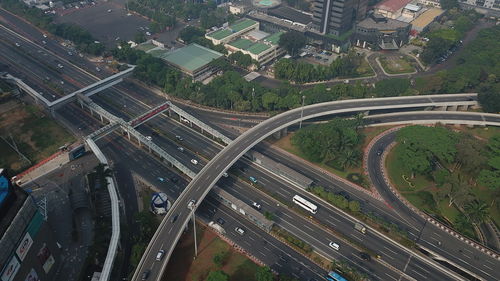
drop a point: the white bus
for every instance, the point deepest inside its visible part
(305, 204)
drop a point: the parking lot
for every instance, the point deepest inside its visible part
(313, 55)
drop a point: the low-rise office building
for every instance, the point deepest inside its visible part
(391, 9)
(423, 21)
(231, 32)
(379, 32)
(262, 51)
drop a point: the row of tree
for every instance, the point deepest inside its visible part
(477, 70)
(301, 72)
(83, 40)
(444, 38)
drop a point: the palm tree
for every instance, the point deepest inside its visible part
(359, 121)
(348, 158)
(477, 211)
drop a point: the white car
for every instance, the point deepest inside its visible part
(239, 230)
(194, 161)
(149, 138)
(180, 148)
(160, 254)
(191, 204)
(256, 205)
(225, 175)
(334, 245)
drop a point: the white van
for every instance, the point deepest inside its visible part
(335, 246)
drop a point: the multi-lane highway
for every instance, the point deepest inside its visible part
(90, 80)
(208, 176)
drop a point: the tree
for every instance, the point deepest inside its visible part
(471, 154)
(477, 211)
(448, 4)
(190, 34)
(220, 258)
(354, 206)
(391, 87)
(264, 274)
(292, 42)
(139, 37)
(348, 158)
(217, 275)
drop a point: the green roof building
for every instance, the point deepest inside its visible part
(232, 31)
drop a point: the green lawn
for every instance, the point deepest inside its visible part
(36, 135)
(396, 65)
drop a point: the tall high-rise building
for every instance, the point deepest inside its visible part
(338, 16)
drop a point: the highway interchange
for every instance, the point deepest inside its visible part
(171, 128)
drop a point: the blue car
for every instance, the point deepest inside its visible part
(254, 180)
(160, 179)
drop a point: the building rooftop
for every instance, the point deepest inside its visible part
(288, 13)
(392, 5)
(370, 23)
(241, 43)
(413, 8)
(236, 27)
(258, 48)
(426, 18)
(256, 35)
(191, 57)
(274, 38)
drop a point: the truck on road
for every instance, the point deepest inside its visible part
(359, 227)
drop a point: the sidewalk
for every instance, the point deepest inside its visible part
(44, 167)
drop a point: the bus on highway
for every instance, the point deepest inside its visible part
(334, 276)
(305, 204)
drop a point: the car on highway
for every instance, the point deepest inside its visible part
(239, 230)
(191, 204)
(253, 179)
(194, 161)
(180, 148)
(60, 65)
(160, 179)
(174, 179)
(18, 45)
(149, 138)
(334, 245)
(145, 274)
(221, 221)
(344, 194)
(159, 255)
(179, 138)
(44, 42)
(174, 218)
(365, 256)
(225, 175)
(380, 151)
(256, 205)
(98, 69)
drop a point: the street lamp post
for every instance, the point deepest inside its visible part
(194, 232)
(302, 112)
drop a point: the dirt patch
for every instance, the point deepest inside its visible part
(183, 266)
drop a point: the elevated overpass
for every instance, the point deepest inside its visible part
(169, 233)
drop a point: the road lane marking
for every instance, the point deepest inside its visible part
(425, 277)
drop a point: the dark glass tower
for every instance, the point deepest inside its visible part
(338, 16)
